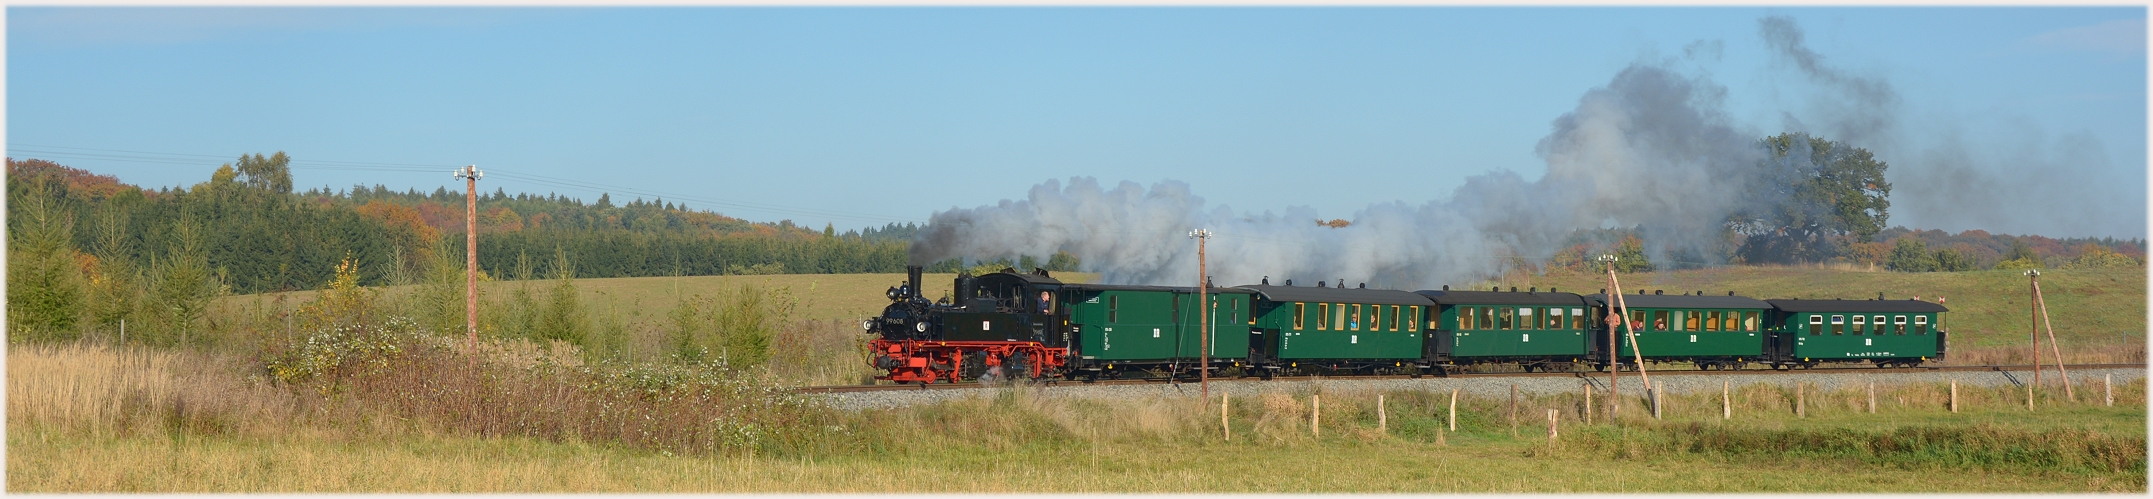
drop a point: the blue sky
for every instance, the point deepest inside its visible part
(864, 116)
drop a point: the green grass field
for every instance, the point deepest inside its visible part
(85, 418)
(1009, 441)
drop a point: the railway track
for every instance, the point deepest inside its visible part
(1576, 374)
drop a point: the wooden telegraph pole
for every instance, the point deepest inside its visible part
(470, 174)
(1622, 313)
(2033, 314)
(2042, 304)
(1203, 312)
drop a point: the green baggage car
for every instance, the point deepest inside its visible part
(1888, 333)
(1119, 329)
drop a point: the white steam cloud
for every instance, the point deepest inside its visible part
(1651, 148)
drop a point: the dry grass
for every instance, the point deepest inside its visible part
(101, 390)
(543, 438)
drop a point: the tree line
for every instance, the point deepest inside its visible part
(88, 250)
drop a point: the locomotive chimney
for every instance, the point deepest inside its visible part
(912, 276)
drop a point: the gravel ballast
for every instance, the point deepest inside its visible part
(1675, 382)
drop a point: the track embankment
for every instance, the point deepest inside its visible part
(1478, 384)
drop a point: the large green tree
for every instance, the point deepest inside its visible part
(45, 292)
(272, 174)
(1810, 198)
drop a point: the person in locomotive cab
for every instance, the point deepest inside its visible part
(1046, 302)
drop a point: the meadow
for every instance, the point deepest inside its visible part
(94, 419)
(385, 406)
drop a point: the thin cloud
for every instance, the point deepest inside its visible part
(2122, 36)
(77, 26)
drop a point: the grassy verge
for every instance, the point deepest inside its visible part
(367, 434)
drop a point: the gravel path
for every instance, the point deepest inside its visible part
(1676, 382)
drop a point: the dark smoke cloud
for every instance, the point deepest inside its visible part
(1865, 107)
(1652, 148)
(2009, 177)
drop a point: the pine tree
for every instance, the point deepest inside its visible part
(44, 295)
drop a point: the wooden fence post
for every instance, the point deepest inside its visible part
(1453, 410)
(1315, 415)
(1513, 409)
(2108, 392)
(1382, 416)
(1551, 417)
(2029, 397)
(1800, 408)
(1872, 397)
(1657, 388)
(1726, 404)
(1588, 403)
(1954, 396)
(1225, 426)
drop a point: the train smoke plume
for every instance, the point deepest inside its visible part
(1650, 148)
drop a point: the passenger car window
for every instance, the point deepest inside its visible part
(1323, 316)
(1300, 314)
(1859, 325)
(1899, 323)
(1749, 321)
(1659, 321)
(1504, 321)
(1394, 317)
(1816, 325)
(1414, 321)
(1711, 321)
(1113, 308)
(1465, 318)
(1921, 325)
(1838, 325)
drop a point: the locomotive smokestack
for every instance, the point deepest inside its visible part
(912, 276)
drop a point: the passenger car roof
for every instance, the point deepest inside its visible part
(1859, 306)
(1177, 289)
(1682, 301)
(1338, 295)
(1448, 297)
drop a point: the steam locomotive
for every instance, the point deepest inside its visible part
(1029, 325)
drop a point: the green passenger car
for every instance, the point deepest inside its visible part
(1338, 327)
(1885, 332)
(1539, 330)
(1117, 326)
(1713, 332)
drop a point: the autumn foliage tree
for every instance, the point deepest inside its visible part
(1813, 198)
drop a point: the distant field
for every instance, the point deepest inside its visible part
(2093, 311)
(2100, 316)
(822, 296)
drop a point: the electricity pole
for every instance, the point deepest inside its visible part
(470, 174)
(1622, 308)
(1203, 312)
(2042, 305)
